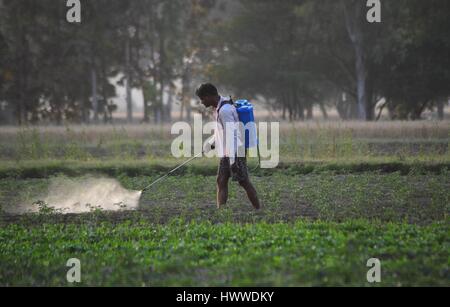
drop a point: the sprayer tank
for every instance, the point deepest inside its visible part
(245, 112)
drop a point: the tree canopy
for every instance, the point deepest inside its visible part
(292, 54)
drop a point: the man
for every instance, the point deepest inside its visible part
(231, 164)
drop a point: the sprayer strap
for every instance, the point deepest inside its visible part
(224, 103)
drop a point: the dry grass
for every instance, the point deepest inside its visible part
(384, 129)
(301, 141)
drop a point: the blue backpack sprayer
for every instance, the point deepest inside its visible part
(246, 116)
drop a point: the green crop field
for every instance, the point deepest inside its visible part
(343, 193)
(109, 111)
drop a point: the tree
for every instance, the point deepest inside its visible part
(416, 60)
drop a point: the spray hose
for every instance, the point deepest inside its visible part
(172, 171)
(186, 162)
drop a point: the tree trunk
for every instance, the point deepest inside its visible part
(185, 94)
(105, 110)
(339, 103)
(21, 108)
(324, 111)
(416, 114)
(188, 111)
(84, 102)
(94, 94)
(361, 84)
(371, 102)
(391, 110)
(169, 105)
(301, 112)
(58, 112)
(440, 109)
(309, 113)
(128, 83)
(161, 74)
(352, 14)
(146, 118)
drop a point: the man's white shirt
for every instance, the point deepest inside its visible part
(227, 135)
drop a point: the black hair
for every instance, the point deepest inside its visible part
(206, 89)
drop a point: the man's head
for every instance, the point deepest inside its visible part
(208, 94)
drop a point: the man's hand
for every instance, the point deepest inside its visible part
(209, 145)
